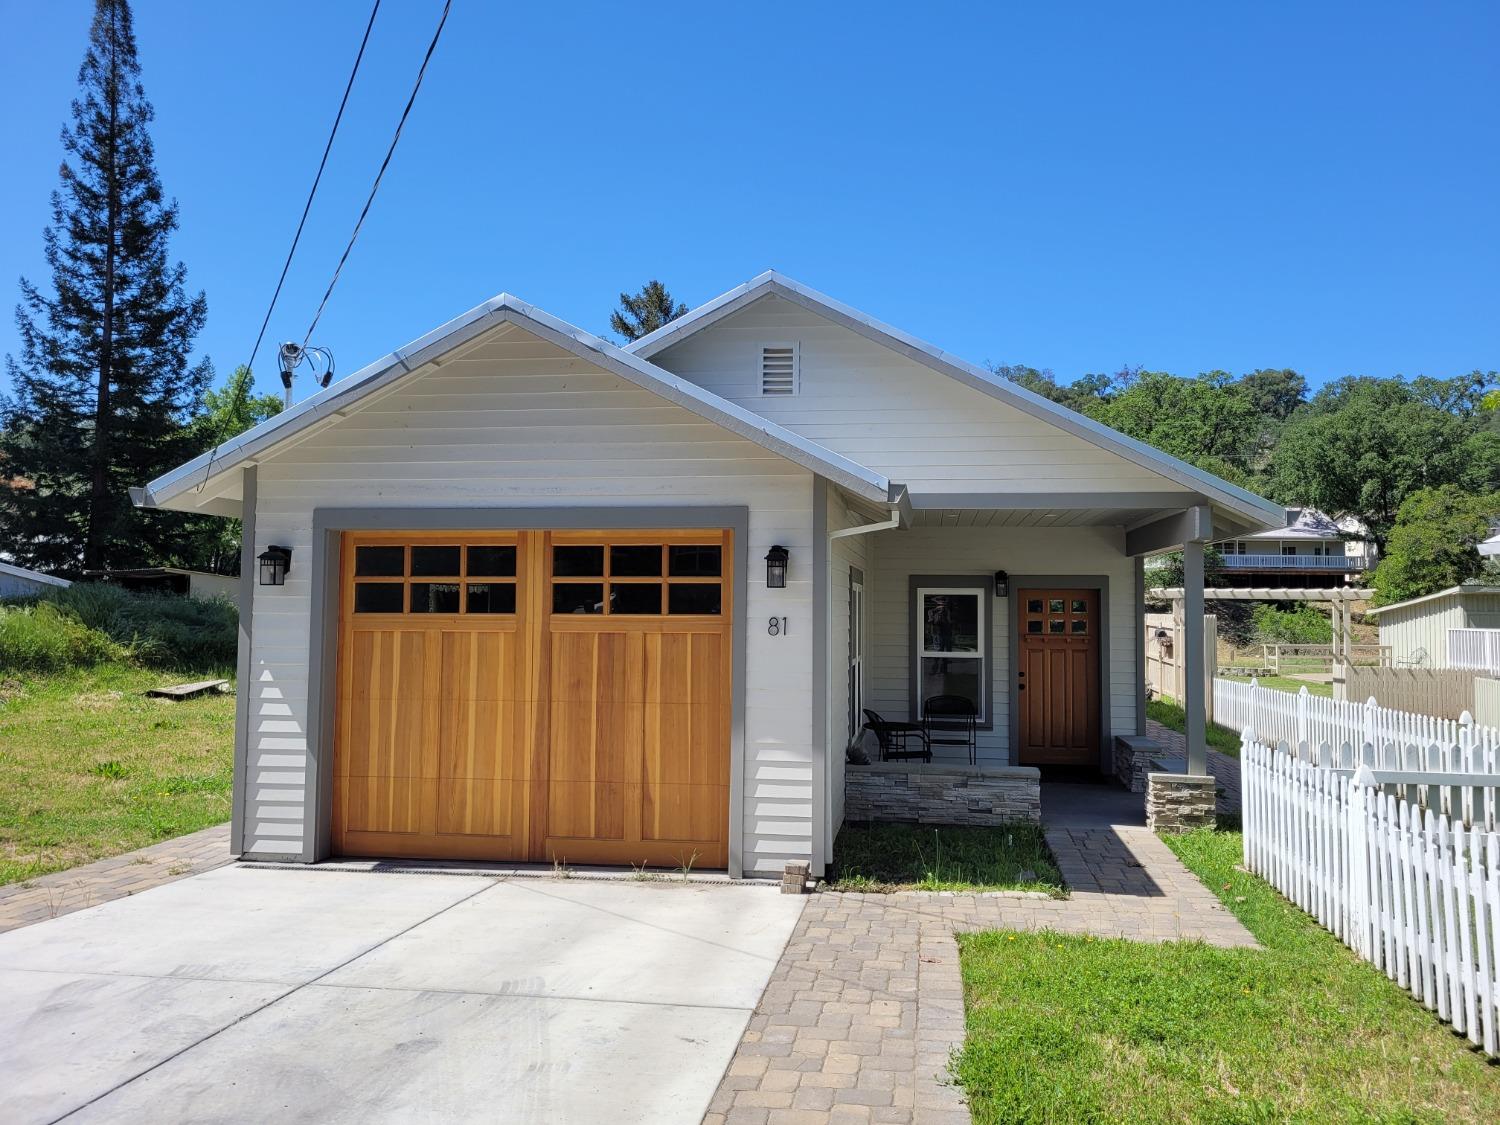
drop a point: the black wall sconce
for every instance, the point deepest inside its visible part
(776, 560)
(274, 564)
(1002, 584)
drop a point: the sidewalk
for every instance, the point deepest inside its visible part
(63, 892)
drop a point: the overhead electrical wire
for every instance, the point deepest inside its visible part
(375, 187)
(306, 208)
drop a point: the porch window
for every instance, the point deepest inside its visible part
(856, 650)
(952, 649)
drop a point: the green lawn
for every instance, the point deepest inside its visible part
(90, 768)
(901, 857)
(1287, 683)
(1078, 1029)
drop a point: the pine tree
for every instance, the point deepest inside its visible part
(103, 386)
(644, 312)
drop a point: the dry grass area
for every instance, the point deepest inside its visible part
(90, 767)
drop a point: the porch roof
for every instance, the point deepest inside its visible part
(1155, 521)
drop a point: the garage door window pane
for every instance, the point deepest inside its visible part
(378, 597)
(434, 561)
(635, 562)
(695, 562)
(491, 597)
(578, 562)
(635, 597)
(434, 597)
(578, 597)
(696, 598)
(492, 562)
(379, 562)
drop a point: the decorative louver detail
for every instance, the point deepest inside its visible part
(778, 370)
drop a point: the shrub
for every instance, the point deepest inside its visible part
(157, 630)
(43, 638)
(1303, 625)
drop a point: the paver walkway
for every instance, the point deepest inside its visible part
(865, 1008)
(62, 892)
(1226, 770)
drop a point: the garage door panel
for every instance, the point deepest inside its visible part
(684, 667)
(683, 812)
(384, 803)
(594, 809)
(474, 807)
(478, 666)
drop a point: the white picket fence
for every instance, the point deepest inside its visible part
(1474, 649)
(1409, 889)
(1279, 716)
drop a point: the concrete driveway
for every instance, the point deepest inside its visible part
(254, 994)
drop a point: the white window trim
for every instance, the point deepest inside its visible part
(981, 655)
(760, 359)
(856, 653)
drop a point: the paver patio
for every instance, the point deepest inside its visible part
(865, 1009)
(63, 892)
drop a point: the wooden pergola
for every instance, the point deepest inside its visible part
(1188, 604)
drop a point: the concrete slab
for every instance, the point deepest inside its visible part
(237, 923)
(244, 994)
(66, 1038)
(1068, 804)
(372, 1055)
(660, 943)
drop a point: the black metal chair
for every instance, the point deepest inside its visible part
(895, 738)
(955, 716)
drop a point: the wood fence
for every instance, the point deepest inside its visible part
(1412, 889)
(1444, 692)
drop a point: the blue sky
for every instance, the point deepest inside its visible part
(1184, 186)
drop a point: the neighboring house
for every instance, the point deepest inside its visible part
(1312, 550)
(171, 580)
(1417, 630)
(18, 582)
(531, 607)
(1490, 548)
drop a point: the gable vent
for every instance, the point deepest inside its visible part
(778, 370)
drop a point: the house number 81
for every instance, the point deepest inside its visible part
(777, 627)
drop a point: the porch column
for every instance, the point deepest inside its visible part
(1194, 670)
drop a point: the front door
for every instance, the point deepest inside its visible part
(1057, 678)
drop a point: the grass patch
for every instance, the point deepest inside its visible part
(88, 624)
(1293, 685)
(911, 857)
(91, 768)
(1170, 715)
(1077, 1029)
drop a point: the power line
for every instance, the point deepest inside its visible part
(375, 187)
(287, 265)
(306, 208)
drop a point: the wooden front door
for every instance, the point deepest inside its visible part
(1057, 677)
(535, 696)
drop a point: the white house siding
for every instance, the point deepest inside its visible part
(517, 423)
(899, 417)
(17, 582)
(980, 551)
(843, 554)
(1409, 630)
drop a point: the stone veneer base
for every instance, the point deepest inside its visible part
(1179, 802)
(912, 793)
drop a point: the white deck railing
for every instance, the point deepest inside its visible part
(1279, 716)
(1293, 562)
(1403, 882)
(1475, 649)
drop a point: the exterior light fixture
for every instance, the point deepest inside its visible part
(1002, 584)
(776, 560)
(274, 563)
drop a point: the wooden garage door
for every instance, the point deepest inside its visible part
(535, 696)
